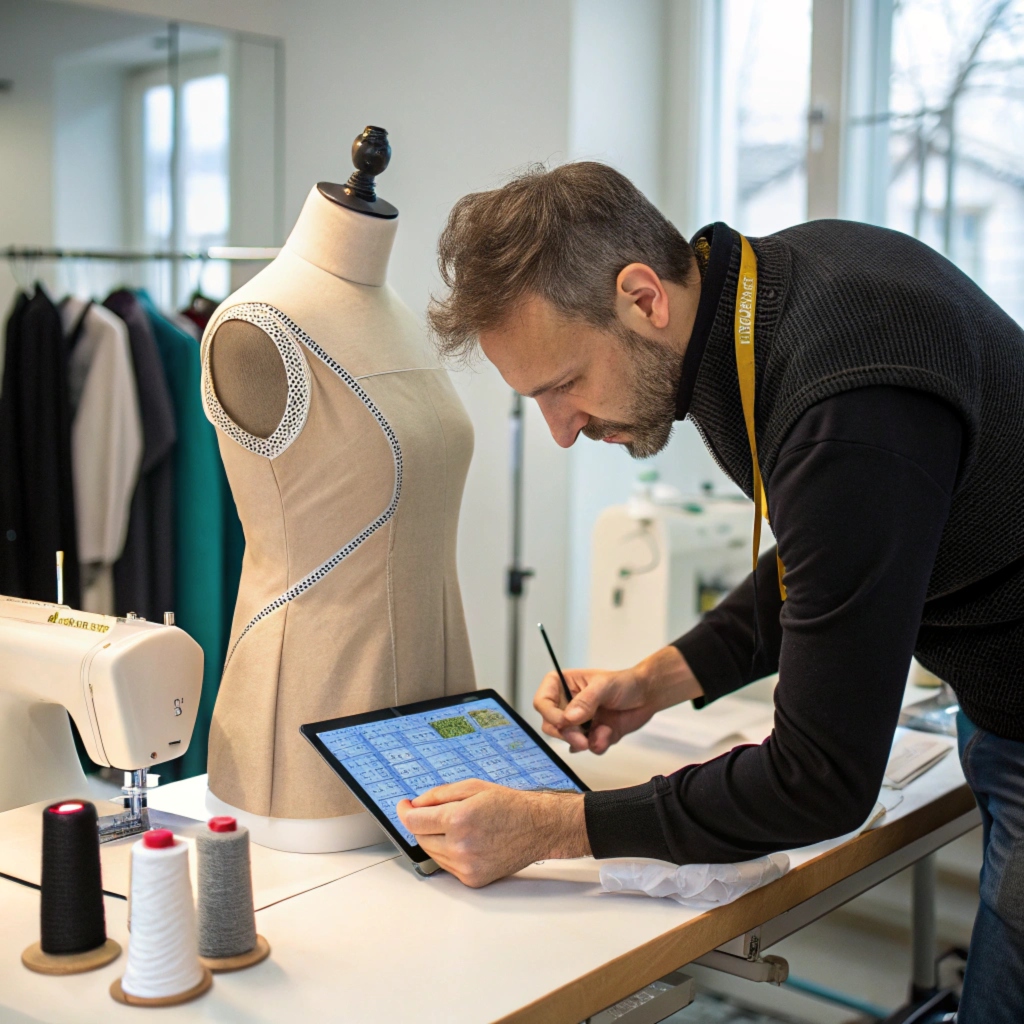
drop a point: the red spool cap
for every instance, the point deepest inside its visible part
(223, 823)
(72, 807)
(158, 838)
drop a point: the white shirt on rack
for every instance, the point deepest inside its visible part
(106, 443)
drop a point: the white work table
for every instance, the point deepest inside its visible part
(382, 944)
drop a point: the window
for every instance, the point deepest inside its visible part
(157, 128)
(956, 137)
(937, 149)
(204, 161)
(756, 119)
(182, 182)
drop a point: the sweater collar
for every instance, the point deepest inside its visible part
(722, 240)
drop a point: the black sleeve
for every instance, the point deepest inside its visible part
(859, 497)
(722, 649)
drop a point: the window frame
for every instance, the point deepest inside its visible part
(137, 82)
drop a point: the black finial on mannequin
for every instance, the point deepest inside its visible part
(371, 154)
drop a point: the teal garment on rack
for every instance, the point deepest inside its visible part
(208, 536)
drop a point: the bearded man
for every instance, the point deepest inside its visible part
(873, 396)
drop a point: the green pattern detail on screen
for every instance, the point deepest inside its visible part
(448, 728)
(489, 719)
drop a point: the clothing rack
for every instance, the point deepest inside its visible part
(254, 254)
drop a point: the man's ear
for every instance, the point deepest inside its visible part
(641, 301)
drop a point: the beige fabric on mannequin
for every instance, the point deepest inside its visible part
(367, 409)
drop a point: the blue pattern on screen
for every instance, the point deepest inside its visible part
(401, 757)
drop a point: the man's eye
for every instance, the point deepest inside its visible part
(566, 386)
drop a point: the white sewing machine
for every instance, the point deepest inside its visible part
(658, 563)
(131, 686)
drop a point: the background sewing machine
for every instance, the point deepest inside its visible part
(131, 686)
(658, 563)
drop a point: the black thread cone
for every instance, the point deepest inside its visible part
(71, 918)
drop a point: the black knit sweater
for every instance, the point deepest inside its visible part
(899, 513)
(843, 306)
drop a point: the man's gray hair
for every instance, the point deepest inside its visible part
(563, 234)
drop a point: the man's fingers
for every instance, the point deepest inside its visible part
(558, 733)
(423, 821)
(449, 793)
(573, 735)
(437, 848)
(440, 851)
(548, 699)
(584, 704)
(550, 730)
(601, 738)
(431, 812)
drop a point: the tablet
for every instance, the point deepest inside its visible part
(397, 753)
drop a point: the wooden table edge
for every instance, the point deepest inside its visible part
(606, 985)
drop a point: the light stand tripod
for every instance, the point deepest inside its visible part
(517, 576)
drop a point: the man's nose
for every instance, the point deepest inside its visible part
(564, 421)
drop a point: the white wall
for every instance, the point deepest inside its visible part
(33, 36)
(628, 109)
(87, 185)
(617, 85)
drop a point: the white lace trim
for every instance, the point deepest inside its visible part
(273, 323)
(311, 579)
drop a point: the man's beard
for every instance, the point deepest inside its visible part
(654, 372)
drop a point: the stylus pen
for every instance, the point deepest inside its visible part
(585, 726)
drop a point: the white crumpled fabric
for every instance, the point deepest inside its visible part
(698, 886)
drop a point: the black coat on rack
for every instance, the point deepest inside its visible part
(37, 504)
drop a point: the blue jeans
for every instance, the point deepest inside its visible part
(994, 982)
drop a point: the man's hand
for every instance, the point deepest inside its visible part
(478, 831)
(615, 703)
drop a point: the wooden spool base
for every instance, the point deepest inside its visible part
(69, 963)
(219, 964)
(182, 997)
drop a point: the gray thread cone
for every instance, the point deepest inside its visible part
(226, 923)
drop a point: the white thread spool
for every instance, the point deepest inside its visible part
(163, 954)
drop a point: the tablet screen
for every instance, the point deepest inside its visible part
(397, 758)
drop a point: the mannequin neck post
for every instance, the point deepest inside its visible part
(353, 246)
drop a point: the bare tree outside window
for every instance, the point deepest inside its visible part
(956, 130)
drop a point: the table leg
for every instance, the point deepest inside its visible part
(923, 938)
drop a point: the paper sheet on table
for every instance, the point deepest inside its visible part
(581, 870)
(729, 716)
(697, 886)
(912, 755)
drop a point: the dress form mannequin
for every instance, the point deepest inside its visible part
(346, 448)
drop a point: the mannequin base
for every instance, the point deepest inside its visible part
(303, 835)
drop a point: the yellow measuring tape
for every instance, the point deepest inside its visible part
(743, 331)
